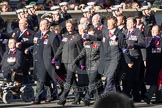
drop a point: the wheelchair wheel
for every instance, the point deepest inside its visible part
(7, 97)
(27, 93)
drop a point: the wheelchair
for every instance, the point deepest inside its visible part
(14, 88)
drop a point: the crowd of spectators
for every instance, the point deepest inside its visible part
(40, 5)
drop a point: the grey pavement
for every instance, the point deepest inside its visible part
(53, 104)
(18, 103)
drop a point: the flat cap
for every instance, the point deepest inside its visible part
(55, 7)
(91, 3)
(63, 3)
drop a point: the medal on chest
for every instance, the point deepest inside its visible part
(133, 38)
(35, 40)
(45, 41)
(25, 39)
(113, 41)
(156, 50)
(11, 60)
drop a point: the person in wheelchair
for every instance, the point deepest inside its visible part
(11, 64)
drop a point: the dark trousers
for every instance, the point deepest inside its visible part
(110, 72)
(92, 86)
(41, 86)
(142, 84)
(70, 79)
(131, 83)
(131, 89)
(54, 90)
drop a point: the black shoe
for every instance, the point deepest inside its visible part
(47, 101)
(147, 100)
(61, 102)
(86, 102)
(35, 102)
(75, 102)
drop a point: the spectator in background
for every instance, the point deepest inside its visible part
(40, 7)
(117, 10)
(64, 8)
(96, 8)
(5, 7)
(2, 30)
(148, 15)
(148, 18)
(32, 16)
(21, 4)
(88, 13)
(56, 8)
(49, 4)
(2, 24)
(73, 6)
(57, 20)
(82, 6)
(135, 5)
(124, 5)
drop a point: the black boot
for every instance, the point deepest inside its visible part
(147, 100)
(86, 102)
(61, 102)
(77, 99)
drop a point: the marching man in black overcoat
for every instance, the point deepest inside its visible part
(45, 46)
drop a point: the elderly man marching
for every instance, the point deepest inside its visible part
(45, 46)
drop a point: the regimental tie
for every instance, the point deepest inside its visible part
(41, 36)
(21, 33)
(128, 34)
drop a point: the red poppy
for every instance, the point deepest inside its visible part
(142, 29)
(110, 34)
(157, 43)
(13, 52)
(27, 33)
(133, 31)
(45, 36)
(94, 45)
(99, 28)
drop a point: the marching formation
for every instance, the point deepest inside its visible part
(91, 56)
